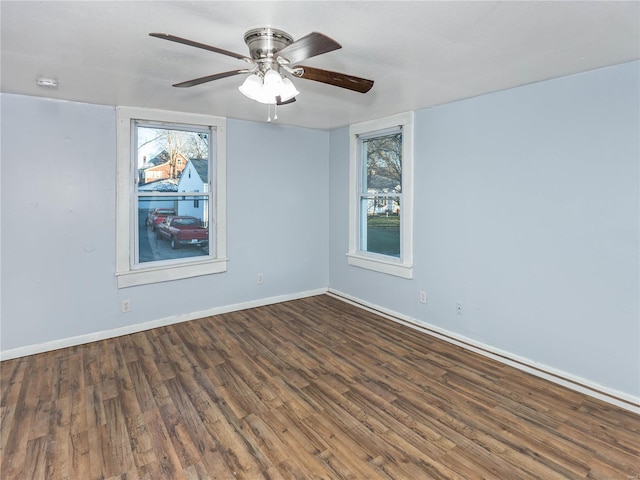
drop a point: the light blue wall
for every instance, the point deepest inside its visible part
(58, 220)
(58, 223)
(526, 210)
(278, 211)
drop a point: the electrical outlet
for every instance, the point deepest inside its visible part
(423, 296)
(125, 306)
(260, 279)
(459, 308)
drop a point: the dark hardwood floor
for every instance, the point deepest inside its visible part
(313, 388)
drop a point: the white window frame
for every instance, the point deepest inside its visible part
(127, 272)
(403, 266)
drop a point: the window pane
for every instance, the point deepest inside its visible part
(172, 227)
(380, 201)
(170, 160)
(380, 226)
(383, 160)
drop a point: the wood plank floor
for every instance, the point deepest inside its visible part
(313, 388)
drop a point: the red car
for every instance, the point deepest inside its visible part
(154, 217)
(183, 230)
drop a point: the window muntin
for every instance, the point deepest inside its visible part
(381, 195)
(167, 186)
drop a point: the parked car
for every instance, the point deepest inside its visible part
(183, 230)
(154, 217)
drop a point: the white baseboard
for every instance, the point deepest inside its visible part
(614, 397)
(140, 327)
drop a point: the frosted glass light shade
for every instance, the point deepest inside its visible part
(272, 83)
(252, 87)
(288, 90)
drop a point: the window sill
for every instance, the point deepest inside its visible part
(397, 269)
(133, 278)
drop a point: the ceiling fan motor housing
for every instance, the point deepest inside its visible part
(264, 42)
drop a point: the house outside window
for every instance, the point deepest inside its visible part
(195, 182)
(381, 197)
(163, 235)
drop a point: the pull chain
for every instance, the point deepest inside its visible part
(275, 112)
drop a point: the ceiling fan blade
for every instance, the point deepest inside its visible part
(308, 46)
(287, 102)
(342, 80)
(210, 78)
(173, 38)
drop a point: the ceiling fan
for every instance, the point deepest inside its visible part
(272, 52)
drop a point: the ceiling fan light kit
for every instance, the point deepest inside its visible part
(270, 88)
(272, 51)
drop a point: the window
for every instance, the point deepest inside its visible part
(163, 235)
(381, 198)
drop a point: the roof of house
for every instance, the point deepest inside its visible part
(162, 157)
(165, 185)
(202, 167)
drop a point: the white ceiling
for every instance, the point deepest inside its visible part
(419, 53)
